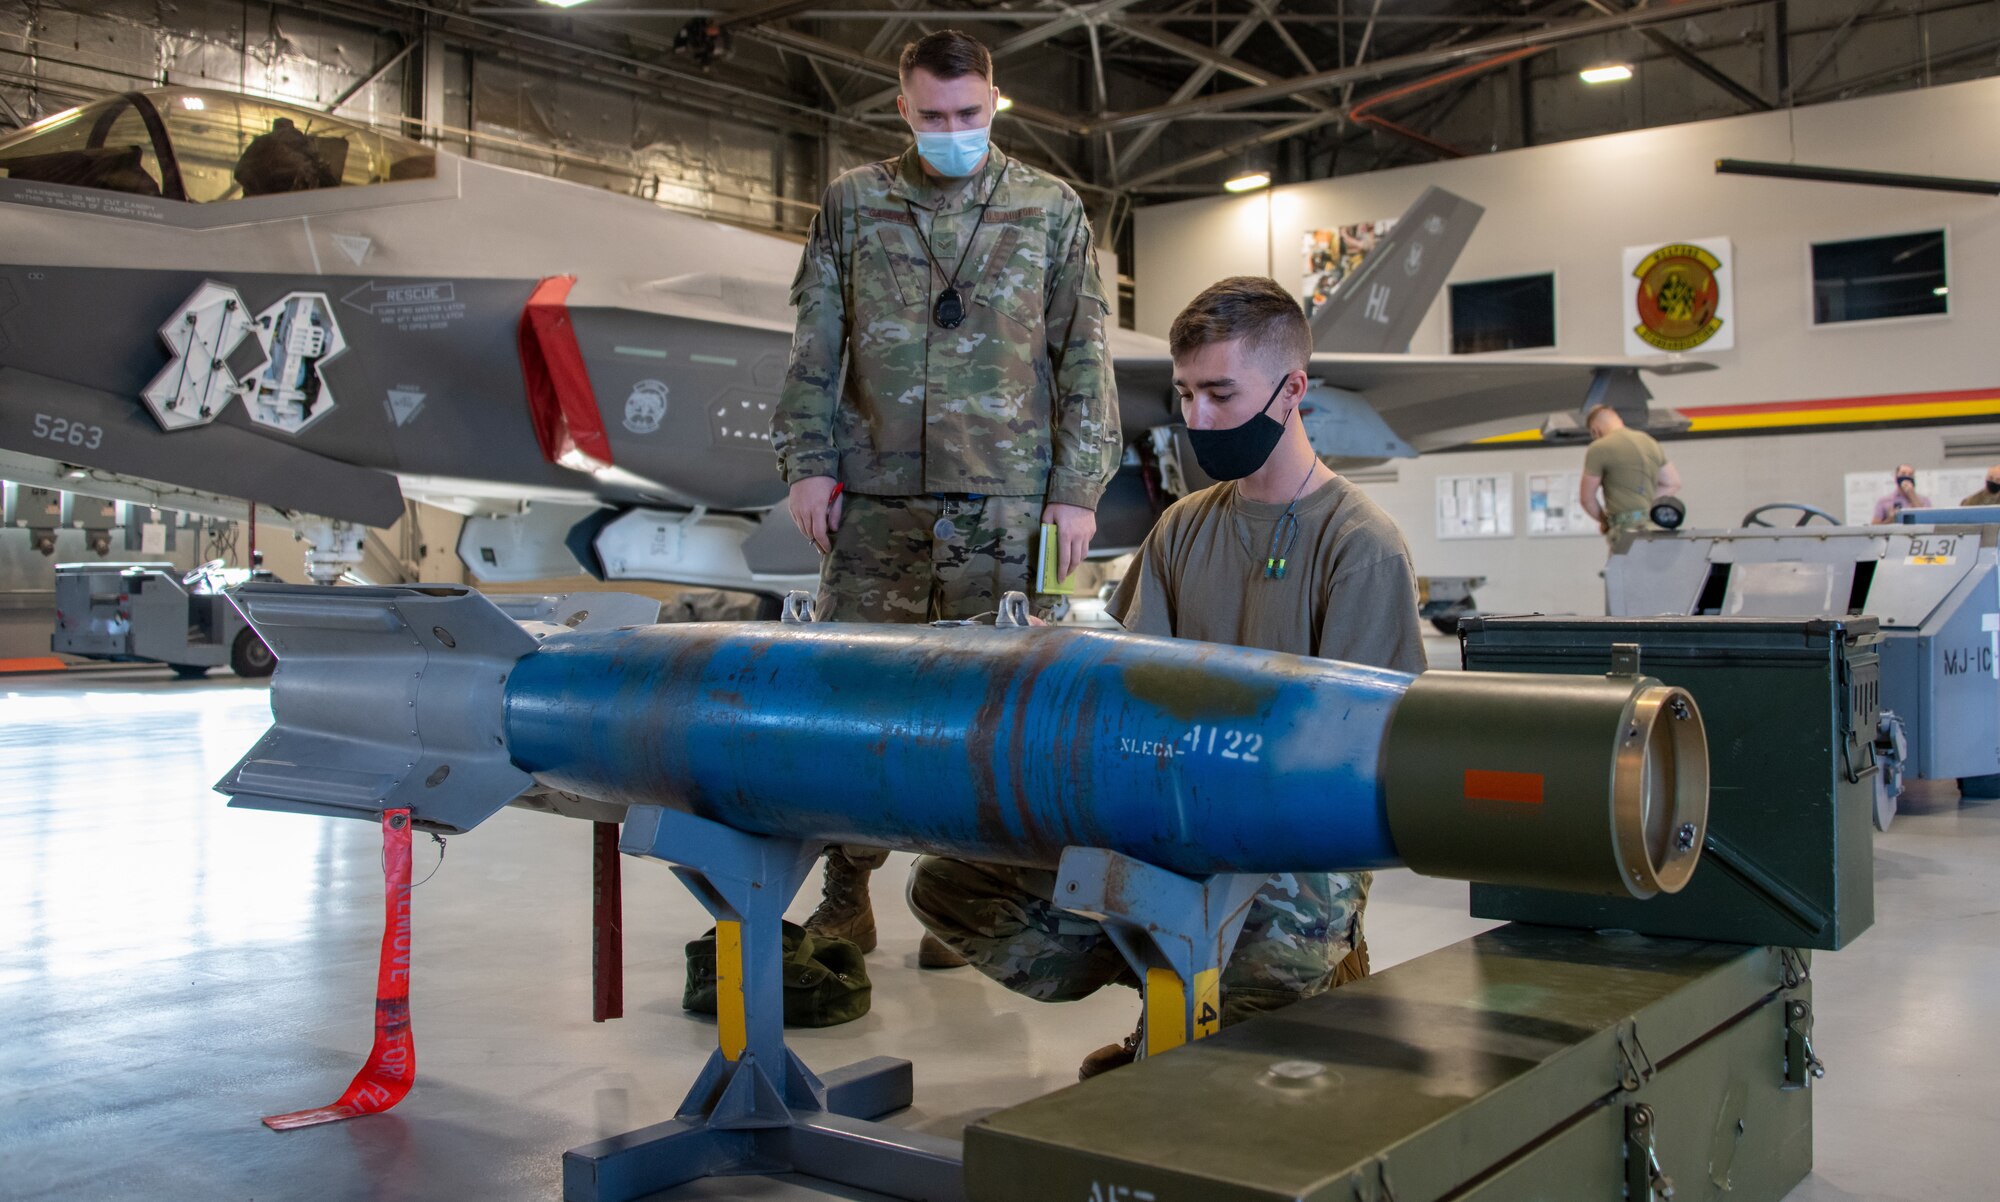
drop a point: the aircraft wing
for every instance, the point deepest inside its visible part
(1394, 406)
(46, 417)
(1438, 401)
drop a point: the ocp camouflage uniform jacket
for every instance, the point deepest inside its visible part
(1017, 401)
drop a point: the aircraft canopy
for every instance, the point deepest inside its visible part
(205, 146)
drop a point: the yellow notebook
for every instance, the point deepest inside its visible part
(1049, 562)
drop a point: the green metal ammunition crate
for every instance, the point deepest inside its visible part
(1790, 705)
(1524, 1065)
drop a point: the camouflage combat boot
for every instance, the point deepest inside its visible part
(844, 911)
(1113, 1055)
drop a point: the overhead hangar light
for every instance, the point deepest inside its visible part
(1003, 104)
(1248, 183)
(562, 3)
(1610, 74)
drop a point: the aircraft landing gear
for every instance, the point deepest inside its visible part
(334, 550)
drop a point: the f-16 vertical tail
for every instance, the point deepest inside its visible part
(1378, 308)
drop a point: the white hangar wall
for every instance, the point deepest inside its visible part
(1572, 207)
(1724, 479)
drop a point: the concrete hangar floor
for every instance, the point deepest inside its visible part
(170, 970)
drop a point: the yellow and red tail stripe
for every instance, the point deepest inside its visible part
(1969, 404)
(1898, 407)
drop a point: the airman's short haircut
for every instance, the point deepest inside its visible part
(947, 54)
(1254, 308)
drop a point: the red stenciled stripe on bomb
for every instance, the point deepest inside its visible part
(1523, 788)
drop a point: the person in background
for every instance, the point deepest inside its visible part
(1990, 495)
(1630, 470)
(1903, 496)
(949, 392)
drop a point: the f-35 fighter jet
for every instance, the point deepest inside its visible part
(253, 300)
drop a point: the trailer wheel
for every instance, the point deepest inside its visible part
(188, 671)
(249, 657)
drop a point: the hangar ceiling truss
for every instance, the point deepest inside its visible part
(1101, 85)
(1137, 99)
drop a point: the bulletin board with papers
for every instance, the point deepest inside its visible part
(1475, 506)
(1553, 505)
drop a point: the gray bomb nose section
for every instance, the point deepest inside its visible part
(384, 698)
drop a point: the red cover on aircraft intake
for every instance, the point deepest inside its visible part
(560, 399)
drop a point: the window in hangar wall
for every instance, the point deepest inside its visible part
(1517, 313)
(1869, 279)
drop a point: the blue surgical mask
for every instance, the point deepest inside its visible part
(954, 155)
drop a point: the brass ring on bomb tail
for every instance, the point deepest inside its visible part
(1659, 790)
(1591, 784)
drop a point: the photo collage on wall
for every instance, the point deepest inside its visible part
(1553, 505)
(1331, 255)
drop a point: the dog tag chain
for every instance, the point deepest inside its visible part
(949, 310)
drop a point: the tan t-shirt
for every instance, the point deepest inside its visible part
(1348, 592)
(1629, 463)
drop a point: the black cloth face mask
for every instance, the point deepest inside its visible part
(1240, 450)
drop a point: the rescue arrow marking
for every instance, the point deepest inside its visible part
(374, 296)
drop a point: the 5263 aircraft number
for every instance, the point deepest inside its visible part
(64, 432)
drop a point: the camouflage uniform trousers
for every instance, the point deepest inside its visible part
(1615, 525)
(924, 559)
(927, 558)
(1302, 937)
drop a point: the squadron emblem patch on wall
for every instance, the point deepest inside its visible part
(1678, 297)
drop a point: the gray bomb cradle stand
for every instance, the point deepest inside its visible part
(757, 1109)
